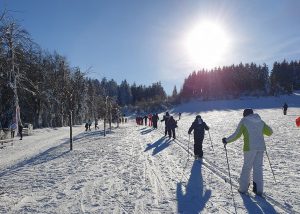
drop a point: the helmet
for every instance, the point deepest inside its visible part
(247, 112)
(198, 116)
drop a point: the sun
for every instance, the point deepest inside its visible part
(207, 44)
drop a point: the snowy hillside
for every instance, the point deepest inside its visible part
(134, 169)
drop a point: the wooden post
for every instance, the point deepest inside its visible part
(71, 137)
(105, 116)
(110, 116)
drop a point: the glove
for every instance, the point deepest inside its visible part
(224, 141)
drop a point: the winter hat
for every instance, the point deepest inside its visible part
(198, 116)
(247, 112)
(167, 113)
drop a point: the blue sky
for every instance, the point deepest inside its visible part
(141, 41)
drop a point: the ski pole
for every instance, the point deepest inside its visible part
(271, 167)
(230, 179)
(210, 141)
(189, 145)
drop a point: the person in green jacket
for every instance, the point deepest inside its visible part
(253, 128)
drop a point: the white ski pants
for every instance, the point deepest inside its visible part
(252, 159)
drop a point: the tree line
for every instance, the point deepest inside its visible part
(247, 79)
(46, 89)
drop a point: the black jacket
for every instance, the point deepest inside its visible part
(165, 118)
(198, 126)
(171, 124)
(155, 118)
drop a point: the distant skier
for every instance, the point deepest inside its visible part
(13, 128)
(285, 107)
(166, 118)
(86, 126)
(20, 129)
(179, 115)
(145, 118)
(90, 123)
(150, 119)
(155, 118)
(96, 124)
(253, 128)
(171, 126)
(199, 128)
(298, 122)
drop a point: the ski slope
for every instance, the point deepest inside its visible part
(135, 169)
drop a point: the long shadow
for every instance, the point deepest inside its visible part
(195, 196)
(51, 153)
(257, 205)
(90, 134)
(147, 131)
(158, 145)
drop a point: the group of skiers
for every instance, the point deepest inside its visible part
(150, 120)
(170, 125)
(13, 128)
(252, 127)
(88, 125)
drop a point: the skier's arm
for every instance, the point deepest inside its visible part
(267, 130)
(237, 134)
(206, 127)
(191, 129)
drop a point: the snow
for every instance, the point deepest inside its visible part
(134, 169)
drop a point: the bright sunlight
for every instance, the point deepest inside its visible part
(207, 43)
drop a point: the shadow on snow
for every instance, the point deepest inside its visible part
(194, 198)
(257, 206)
(51, 153)
(147, 131)
(159, 145)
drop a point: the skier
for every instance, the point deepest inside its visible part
(199, 128)
(90, 123)
(171, 125)
(166, 118)
(86, 126)
(298, 122)
(150, 119)
(253, 128)
(145, 118)
(155, 118)
(285, 107)
(96, 124)
(13, 128)
(20, 128)
(179, 115)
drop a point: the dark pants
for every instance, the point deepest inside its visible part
(284, 111)
(20, 131)
(12, 133)
(171, 132)
(198, 147)
(155, 124)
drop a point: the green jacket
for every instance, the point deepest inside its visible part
(253, 129)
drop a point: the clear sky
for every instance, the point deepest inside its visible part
(155, 40)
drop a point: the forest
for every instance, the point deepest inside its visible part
(247, 79)
(44, 89)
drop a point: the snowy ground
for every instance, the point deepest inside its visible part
(136, 170)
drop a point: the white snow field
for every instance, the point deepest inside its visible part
(134, 169)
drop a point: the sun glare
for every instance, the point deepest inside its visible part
(207, 44)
